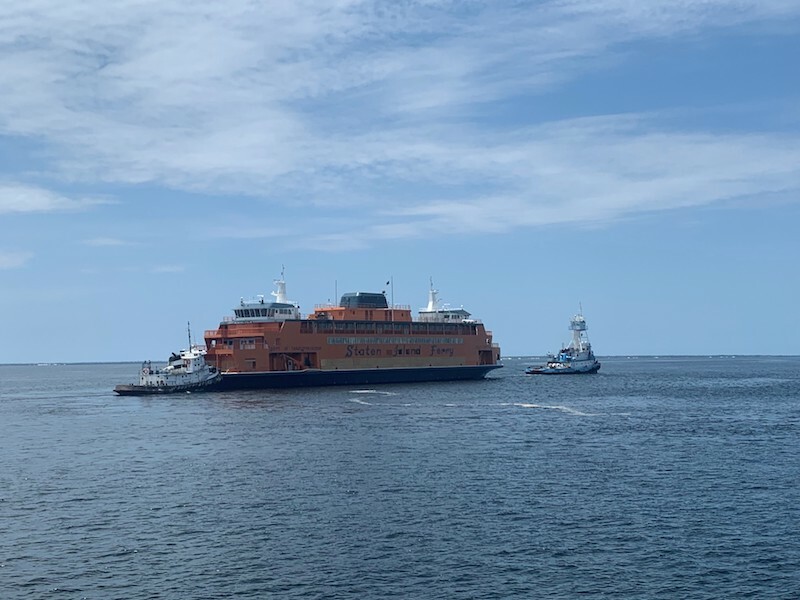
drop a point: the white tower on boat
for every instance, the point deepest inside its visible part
(433, 299)
(280, 293)
(437, 313)
(580, 339)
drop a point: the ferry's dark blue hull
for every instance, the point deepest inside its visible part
(314, 378)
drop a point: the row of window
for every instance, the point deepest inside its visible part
(261, 312)
(244, 343)
(396, 340)
(379, 328)
(367, 328)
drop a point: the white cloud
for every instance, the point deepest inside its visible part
(168, 269)
(211, 97)
(245, 232)
(20, 198)
(343, 106)
(105, 242)
(583, 171)
(14, 260)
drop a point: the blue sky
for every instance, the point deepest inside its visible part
(160, 160)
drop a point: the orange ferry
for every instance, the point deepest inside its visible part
(363, 340)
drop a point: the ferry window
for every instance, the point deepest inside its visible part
(344, 327)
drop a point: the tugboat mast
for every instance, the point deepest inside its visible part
(580, 339)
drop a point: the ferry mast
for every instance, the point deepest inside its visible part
(433, 300)
(280, 293)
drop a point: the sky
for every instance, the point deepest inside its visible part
(160, 160)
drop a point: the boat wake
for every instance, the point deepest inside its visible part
(566, 409)
(362, 402)
(377, 392)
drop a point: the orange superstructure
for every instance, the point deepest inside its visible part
(361, 340)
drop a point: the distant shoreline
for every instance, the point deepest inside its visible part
(505, 358)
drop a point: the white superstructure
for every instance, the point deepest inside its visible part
(259, 310)
(187, 367)
(436, 313)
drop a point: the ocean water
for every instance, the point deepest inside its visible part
(668, 477)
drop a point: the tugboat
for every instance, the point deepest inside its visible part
(577, 358)
(186, 371)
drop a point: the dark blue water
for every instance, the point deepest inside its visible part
(657, 478)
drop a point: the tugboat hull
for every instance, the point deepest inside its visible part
(562, 371)
(152, 390)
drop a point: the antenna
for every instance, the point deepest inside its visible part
(189, 331)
